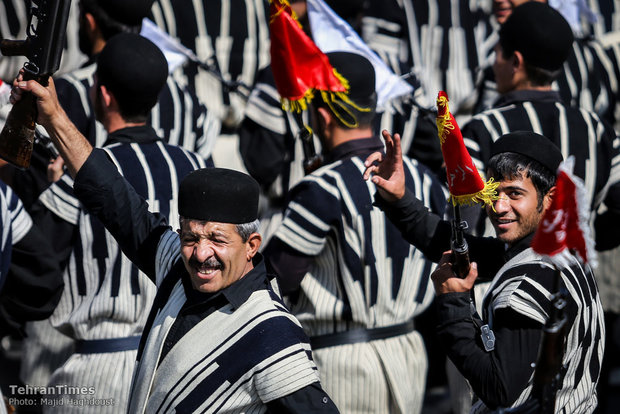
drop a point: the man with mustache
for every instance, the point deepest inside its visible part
(106, 299)
(517, 304)
(218, 337)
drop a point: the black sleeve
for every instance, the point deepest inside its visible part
(287, 264)
(310, 399)
(33, 284)
(264, 152)
(106, 194)
(60, 233)
(606, 224)
(497, 377)
(431, 235)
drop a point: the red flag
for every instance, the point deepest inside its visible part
(299, 67)
(565, 225)
(464, 181)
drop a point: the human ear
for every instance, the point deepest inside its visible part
(325, 117)
(252, 245)
(548, 199)
(517, 60)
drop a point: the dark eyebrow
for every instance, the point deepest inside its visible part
(514, 187)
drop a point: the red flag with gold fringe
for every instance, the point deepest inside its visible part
(299, 67)
(565, 227)
(464, 181)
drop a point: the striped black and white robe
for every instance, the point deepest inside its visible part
(576, 132)
(362, 275)
(443, 42)
(179, 118)
(14, 225)
(230, 35)
(5, 248)
(106, 296)
(588, 80)
(611, 45)
(30, 276)
(522, 291)
(608, 17)
(273, 154)
(234, 359)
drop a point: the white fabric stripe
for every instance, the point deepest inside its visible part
(533, 117)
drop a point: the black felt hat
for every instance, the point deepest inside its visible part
(219, 194)
(531, 145)
(133, 69)
(540, 33)
(358, 71)
(128, 12)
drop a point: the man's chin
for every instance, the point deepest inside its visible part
(206, 287)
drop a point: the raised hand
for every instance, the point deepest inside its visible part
(387, 169)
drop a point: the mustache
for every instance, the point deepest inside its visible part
(212, 262)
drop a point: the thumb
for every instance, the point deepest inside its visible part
(473, 274)
(380, 181)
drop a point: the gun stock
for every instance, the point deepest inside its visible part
(43, 48)
(17, 136)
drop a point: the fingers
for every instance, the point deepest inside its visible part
(445, 257)
(398, 152)
(55, 169)
(372, 158)
(32, 86)
(370, 163)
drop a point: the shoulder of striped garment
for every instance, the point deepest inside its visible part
(516, 287)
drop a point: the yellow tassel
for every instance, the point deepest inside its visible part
(285, 3)
(485, 196)
(299, 104)
(444, 124)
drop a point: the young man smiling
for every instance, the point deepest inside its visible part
(517, 304)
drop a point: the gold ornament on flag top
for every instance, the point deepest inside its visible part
(465, 183)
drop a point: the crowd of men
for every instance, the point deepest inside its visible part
(147, 267)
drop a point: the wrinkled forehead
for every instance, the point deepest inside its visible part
(204, 226)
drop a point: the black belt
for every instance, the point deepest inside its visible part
(360, 335)
(100, 346)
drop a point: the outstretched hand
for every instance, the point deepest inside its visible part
(387, 170)
(445, 281)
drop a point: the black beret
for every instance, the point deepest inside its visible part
(128, 12)
(531, 145)
(132, 68)
(219, 194)
(358, 71)
(540, 33)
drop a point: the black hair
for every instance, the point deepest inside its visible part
(539, 76)
(107, 24)
(510, 165)
(535, 74)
